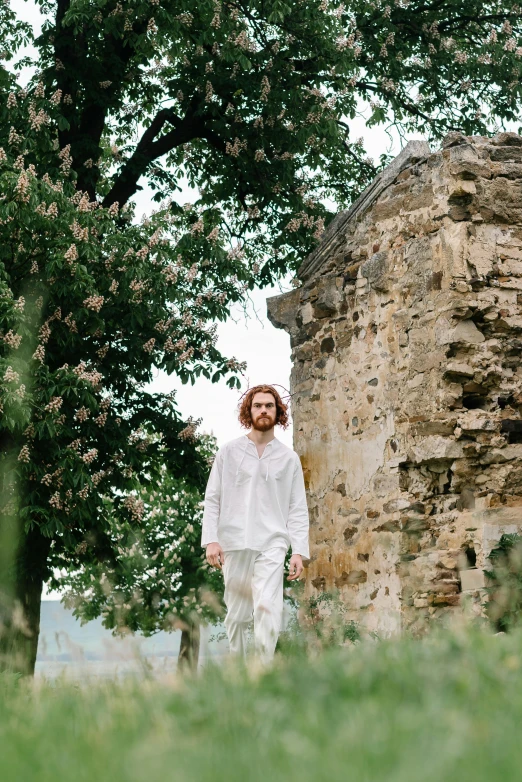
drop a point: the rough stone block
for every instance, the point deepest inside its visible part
(472, 579)
(374, 269)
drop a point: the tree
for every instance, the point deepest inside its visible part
(250, 104)
(85, 317)
(160, 579)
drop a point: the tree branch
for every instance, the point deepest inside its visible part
(148, 150)
(87, 126)
(463, 21)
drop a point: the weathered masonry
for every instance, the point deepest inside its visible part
(406, 338)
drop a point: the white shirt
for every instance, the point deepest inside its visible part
(256, 503)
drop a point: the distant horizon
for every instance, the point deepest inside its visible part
(66, 646)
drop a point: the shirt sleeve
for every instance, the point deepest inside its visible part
(298, 521)
(211, 504)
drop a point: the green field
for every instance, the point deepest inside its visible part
(446, 708)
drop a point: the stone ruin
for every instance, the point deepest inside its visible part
(406, 337)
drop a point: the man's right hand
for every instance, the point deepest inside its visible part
(215, 555)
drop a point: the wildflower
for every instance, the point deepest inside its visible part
(37, 120)
(71, 323)
(45, 333)
(10, 376)
(94, 303)
(235, 148)
(320, 227)
(236, 366)
(54, 405)
(39, 354)
(14, 137)
(72, 254)
(12, 340)
(97, 477)
(25, 454)
(55, 501)
(186, 355)
(138, 287)
(135, 506)
(79, 233)
(265, 88)
(84, 204)
(22, 187)
(197, 227)
(65, 157)
(216, 19)
(188, 433)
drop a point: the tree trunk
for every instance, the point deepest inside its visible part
(189, 648)
(20, 603)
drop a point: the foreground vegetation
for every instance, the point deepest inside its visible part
(449, 707)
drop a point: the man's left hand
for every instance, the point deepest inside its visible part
(295, 567)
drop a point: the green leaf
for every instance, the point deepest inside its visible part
(63, 124)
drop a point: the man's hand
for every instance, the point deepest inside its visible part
(295, 567)
(215, 555)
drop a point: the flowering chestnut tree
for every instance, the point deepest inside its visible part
(90, 305)
(250, 104)
(159, 578)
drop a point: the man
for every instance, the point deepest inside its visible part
(254, 510)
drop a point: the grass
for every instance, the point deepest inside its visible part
(445, 708)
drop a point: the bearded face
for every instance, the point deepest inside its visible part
(263, 412)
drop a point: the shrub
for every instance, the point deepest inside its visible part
(505, 590)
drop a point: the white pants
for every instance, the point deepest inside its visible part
(254, 584)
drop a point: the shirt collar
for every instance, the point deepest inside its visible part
(273, 440)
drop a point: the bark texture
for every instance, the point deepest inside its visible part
(189, 648)
(20, 604)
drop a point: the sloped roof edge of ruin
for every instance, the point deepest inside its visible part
(413, 152)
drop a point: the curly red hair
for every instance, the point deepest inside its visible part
(245, 406)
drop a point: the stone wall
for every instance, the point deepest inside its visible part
(406, 337)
